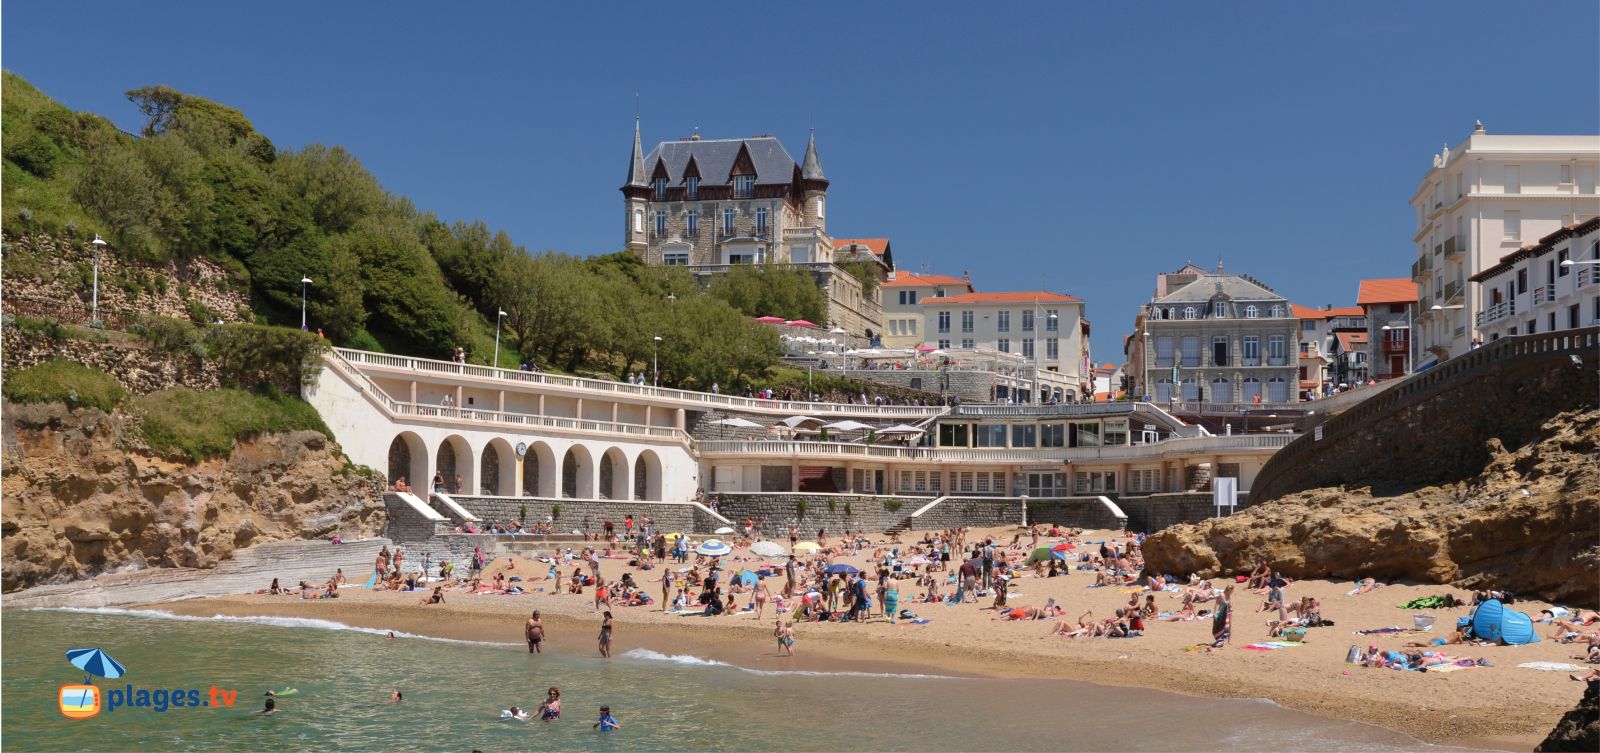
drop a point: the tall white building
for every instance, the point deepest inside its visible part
(1047, 329)
(1533, 290)
(1483, 199)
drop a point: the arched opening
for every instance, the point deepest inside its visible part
(497, 469)
(539, 471)
(577, 473)
(1251, 390)
(408, 459)
(454, 470)
(615, 480)
(647, 477)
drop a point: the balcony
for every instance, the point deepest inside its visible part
(1438, 249)
(1421, 266)
(1453, 291)
(1453, 246)
(1497, 311)
(1402, 345)
(1587, 276)
(725, 233)
(691, 232)
(1544, 293)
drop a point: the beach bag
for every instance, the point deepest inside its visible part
(1422, 621)
(1296, 635)
(1353, 655)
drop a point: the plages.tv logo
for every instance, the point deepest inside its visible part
(85, 700)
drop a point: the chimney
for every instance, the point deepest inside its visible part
(966, 276)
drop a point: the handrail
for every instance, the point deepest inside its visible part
(1184, 445)
(706, 399)
(455, 508)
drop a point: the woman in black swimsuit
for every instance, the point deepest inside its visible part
(605, 636)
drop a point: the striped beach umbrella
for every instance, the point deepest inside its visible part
(95, 662)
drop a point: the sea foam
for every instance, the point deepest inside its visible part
(284, 622)
(696, 661)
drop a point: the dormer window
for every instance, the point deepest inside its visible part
(692, 186)
(744, 186)
(661, 189)
(1189, 312)
(1251, 312)
(1219, 309)
(1277, 312)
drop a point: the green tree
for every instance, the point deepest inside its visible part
(770, 290)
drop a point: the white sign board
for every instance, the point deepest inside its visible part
(1225, 493)
(1316, 434)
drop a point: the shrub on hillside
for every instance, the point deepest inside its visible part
(205, 424)
(62, 381)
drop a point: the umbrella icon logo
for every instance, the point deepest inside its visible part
(81, 701)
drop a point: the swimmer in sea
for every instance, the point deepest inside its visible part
(517, 714)
(271, 707)
(550, 710)
(607, 722)
(396, 697)
(390, 636)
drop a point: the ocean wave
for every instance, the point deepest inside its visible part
(696, 661)
(285, 622)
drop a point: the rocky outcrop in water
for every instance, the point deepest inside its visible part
(1579, 729)
(1528, 523)
(83, 496)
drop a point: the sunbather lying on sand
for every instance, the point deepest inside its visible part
(1366, 585)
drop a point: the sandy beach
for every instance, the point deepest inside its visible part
(1472, 707)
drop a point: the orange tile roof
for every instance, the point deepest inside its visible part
(1021, 296)
(1309, 384)
(876, 245)
(1391, 290)
(1352, 340)
(1307, 312)
(907, 279)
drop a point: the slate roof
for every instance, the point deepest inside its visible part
(714, 158)
(1233, 286)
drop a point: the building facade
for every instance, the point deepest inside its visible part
(902, 304)
(1482, 200)
(1390, 307)
(1047, 329)
(709, 204)
(1534, 290)
(1319, 348)
(1218, 339)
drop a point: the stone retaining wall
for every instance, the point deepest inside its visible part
(1074, 512)
(1157, 511)
(964, 512)
(808, 512)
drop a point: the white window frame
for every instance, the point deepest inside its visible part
(661, 223)
(1189, 312)
(1052, 319)
(1003, 345)
(1002, 321)
(967, 319)
(691, 188)
(675, 258)
(761, 219)
(1219, 309)
(1252, 312)
(944, 324)
(1052, 347)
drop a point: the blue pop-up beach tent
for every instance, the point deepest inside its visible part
(1493, 621)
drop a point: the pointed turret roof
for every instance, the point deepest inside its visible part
(811, 167)
(636, 169)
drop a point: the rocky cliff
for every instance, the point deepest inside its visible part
(84, 496)
(1579, 729)
(1529, 522)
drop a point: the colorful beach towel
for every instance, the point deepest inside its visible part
(1271, 646)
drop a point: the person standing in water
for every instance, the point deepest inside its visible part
(607, 722)
(785, 635)
(533, 632)
(605, 636)
(550, 710)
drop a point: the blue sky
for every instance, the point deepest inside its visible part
(1076, 147)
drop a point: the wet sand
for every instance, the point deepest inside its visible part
(1468, 707)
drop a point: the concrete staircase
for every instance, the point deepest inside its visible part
(250, 569)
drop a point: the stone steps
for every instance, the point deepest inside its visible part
(250, 569)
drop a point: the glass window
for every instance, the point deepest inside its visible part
(1189, 391)
(966, 321)
(1027, 347)
(1027, 321)
(967, 342)
(1561, 256)
(1251, 389)
(991, 435)
(1191, 350)
(1052, 320)
(744, 186)
(1219, 309)
(727, 222)
(1022, 435)
(1003, 345)
(944, 344)
(1116, 431)
(1219, 351)
(676, 258)
(1164, 350)
(1052, 348)
(661, 223)
(1277, 390)
(953, 435)
(1189, 312)
(1086, 433)
(1252, 311)
(1052, 435)
(1277, 312)
(691, 224)
(1002, 321)
(944, 322)
(761, 220)
(1221, 391)
(1252, 350)
(692, 186)
(1163, 390)
(1277, 351)
(661, 189)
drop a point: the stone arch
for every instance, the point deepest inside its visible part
(540, 476)
(497, 469)
(408, 459)
(578, 473)
(647, 476)
(455, 458)
(615, 480)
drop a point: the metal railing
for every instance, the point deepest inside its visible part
(1453, 246)
(1421, 266)
(688, 399)
(1588, 276)
(814, 450)
(1544, 293)
(1453, 290)
(1497, 311)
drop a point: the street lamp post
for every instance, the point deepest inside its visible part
(497, 319)
(304, 281)
(94, 310)
(655, 361)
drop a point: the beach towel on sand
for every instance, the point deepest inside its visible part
(1550, 666)
(1271, 646)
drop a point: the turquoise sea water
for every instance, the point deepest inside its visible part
(455, 690)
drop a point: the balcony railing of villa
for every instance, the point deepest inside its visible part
(1421, 266)
(478, 416)
(1402, 345)
(1453, 246)
(1497, 311)
(690, 399)
(1589, 275)
(759, 233)
(1181, 446)
(1544, 293)
(1032, 411)
(1453, 290)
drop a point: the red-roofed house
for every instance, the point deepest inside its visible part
(1047, 329)
(1389, 306)
(902, 309)
(1322, 365)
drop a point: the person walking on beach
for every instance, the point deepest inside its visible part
(760, 597)
(1222, 619)
(784, 632)
(789, 571)
(533, 631)
(605, 636)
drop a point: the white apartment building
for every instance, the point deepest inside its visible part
(1047, 329)
(1532, 291)
(1482, 200)
(902, 304)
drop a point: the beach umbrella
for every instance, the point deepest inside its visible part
(1039, 555)
(842, 568)
(794, 422)
(738, 423)
(805, 547)
(746, 578)
(847, 425)
(800, 323)
(770, 319)
(901, 429)
(95, 662)
(724, 530)
(767, 548)
(1065, 546)
(713, 548)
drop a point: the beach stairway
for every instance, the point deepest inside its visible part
(533, 546)
(250, 569)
